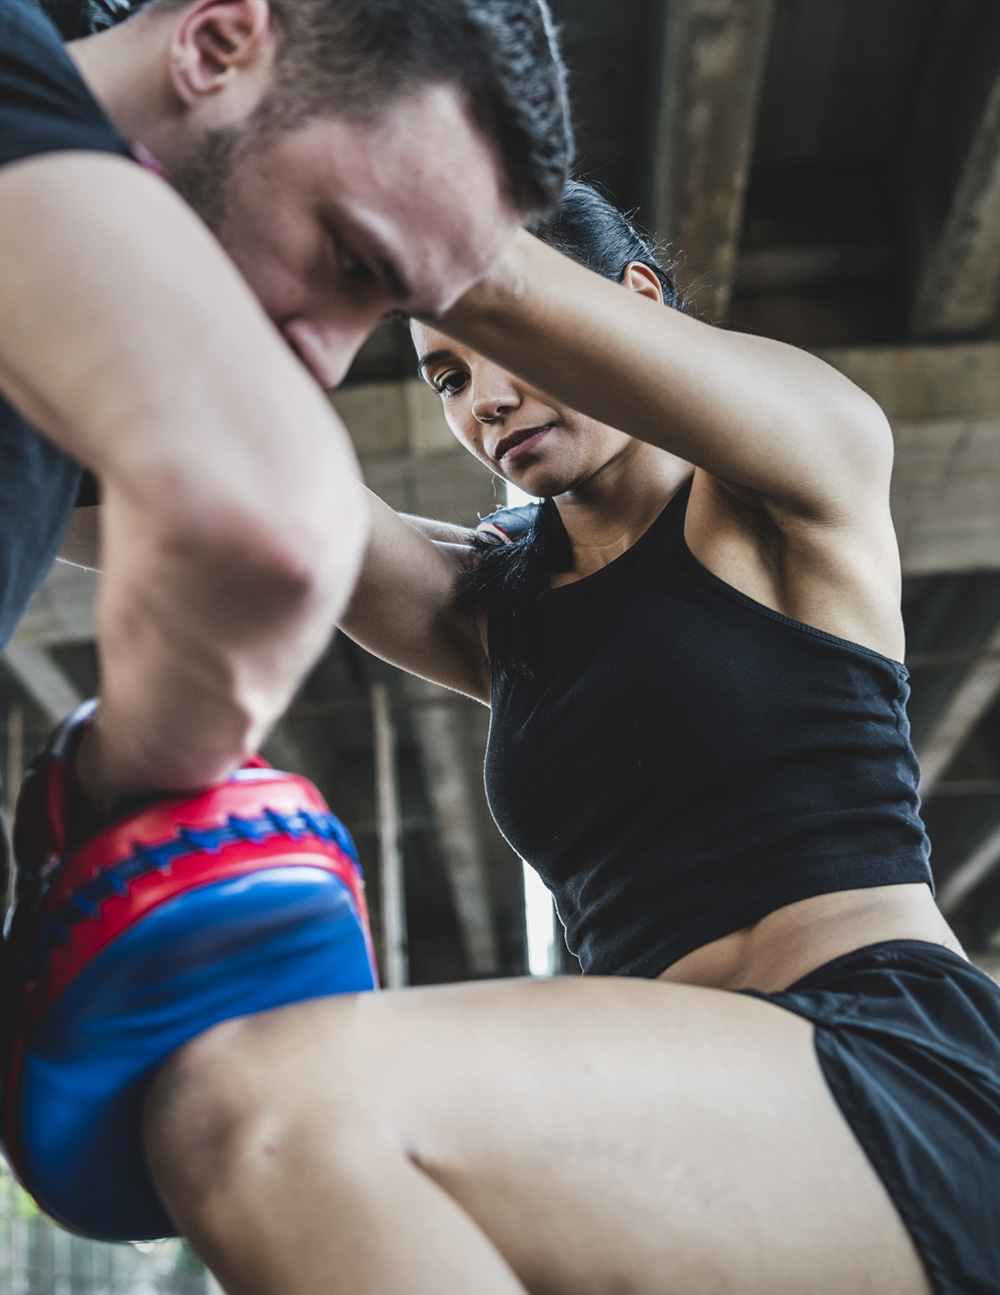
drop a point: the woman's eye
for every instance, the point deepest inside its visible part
(449, 384)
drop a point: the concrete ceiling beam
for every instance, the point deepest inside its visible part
(914, 382)
(943, 402)
(712, 64)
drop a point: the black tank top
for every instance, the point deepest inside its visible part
(686, 760)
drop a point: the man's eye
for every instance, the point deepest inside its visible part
(353, 268)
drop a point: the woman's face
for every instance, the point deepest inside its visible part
(540, 445)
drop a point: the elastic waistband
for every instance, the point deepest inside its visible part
(921, 951)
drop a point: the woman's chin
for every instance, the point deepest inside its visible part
(541, 484)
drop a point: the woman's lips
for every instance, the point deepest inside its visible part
(521, 442)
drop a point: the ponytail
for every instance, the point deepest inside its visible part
(505, 584)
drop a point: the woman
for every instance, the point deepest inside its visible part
(699, 738)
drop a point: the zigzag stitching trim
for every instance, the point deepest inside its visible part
(84, 904)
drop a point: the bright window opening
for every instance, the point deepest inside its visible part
(539, 910)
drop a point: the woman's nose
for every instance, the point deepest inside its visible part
(493, 403)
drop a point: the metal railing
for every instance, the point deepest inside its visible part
(37, 1257)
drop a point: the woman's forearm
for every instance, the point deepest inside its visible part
(747, 409)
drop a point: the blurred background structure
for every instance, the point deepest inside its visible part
(826, 172)
(39, 1258)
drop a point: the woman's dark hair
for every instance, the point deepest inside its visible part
(507, 578)
(590, 230)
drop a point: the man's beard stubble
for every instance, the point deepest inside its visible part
(202, 178)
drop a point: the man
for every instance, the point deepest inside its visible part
(352, 157)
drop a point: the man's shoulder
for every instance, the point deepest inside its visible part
(29, 40)
(45, 105)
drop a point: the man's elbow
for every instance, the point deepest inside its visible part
(282, 562)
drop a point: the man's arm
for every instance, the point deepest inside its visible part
(232, 521)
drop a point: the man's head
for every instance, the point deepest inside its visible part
(342, 149)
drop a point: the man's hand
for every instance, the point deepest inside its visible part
(129, 941)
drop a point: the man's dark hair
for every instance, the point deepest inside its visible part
(356, 56)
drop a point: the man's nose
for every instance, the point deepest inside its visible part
(327, 349)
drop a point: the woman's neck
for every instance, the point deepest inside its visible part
(611, 510)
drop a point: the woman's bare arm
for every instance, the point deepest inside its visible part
(232, 522)
(403, 608)
(440, 532)
(82, 540)
(755, 413)
(403, 604)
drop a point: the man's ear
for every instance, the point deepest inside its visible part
(214, 42)
(641, 279)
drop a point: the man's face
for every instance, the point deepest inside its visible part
(333, 223)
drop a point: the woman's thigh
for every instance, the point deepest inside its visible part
(606, 1135)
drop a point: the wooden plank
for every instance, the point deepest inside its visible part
(712, 63)
(955, 205)
(449, 768)
(924, 381)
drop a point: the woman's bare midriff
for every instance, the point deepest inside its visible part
(773, 953)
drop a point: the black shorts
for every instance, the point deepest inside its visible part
(908, 1038)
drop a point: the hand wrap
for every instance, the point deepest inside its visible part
(180, 915)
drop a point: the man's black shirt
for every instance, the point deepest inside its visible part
(45, 107)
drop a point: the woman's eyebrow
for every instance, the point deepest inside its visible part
(432, 357)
